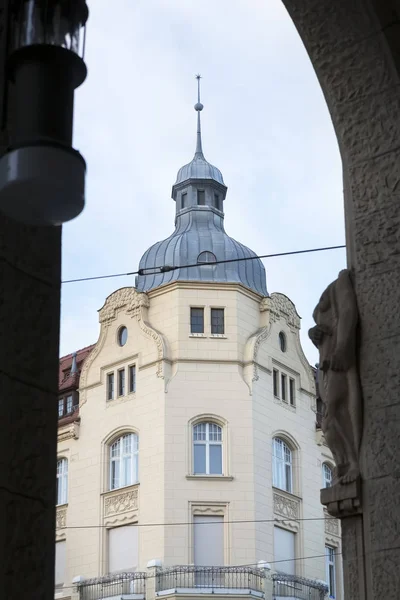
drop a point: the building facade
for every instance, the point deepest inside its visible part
(189, 457)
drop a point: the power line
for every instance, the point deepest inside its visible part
(178, 523)
(169, 268)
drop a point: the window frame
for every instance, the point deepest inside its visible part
(275, 382)
(62, 481)
(282, 469)
(63, 403)
(198, 197)
(110, 378)
(284, 379)
(199, 308)
(132, 379)
(330, 570)
(134, 461)
(219, 310)
(207, 443)
(121, 382)
(325, 480)
(184, 197)
(292, 391)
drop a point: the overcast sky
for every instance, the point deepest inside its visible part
(265, 125)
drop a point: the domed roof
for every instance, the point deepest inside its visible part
(199, 231)
(199, 168)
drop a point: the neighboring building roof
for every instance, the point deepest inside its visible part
(68, 377)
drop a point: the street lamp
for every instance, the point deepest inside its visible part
(42, 178)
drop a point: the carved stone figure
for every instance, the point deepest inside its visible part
(334, 335)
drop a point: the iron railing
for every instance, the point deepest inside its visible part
(297, 588)
(212, 578)
(132, 585)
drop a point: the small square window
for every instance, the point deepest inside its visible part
(201, 197)
(217, 321)
(292, 397)
(197, 320)
(110, 386)
(121, 382)
(275, 378)
(132, 378)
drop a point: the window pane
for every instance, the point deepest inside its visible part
(132, 378)
(288, 478)
(217, 321)
(126, 470)
(61, 407)
(217, 202)
(197, 320)
(110, 386)
(283, 387)
(291, 391)
(275, 382)
(215, 432)
(201, 198)
(199, 459)
(69, 404)
(121, 382)
(184, 200)
(114, 474)
(215, 459)
(199, 432)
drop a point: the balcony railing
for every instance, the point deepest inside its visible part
(118, 586)
(292, 587)
(241, 580)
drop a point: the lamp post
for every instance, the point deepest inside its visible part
(42, 178)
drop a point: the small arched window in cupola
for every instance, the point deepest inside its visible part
(206, 258)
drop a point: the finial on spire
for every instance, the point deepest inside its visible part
(198, 107)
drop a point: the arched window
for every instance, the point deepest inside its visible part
(62, 481)
(124, 461)
(207, 449)
(327, 475)
(282, 341)
(282, 475)
(206, 258)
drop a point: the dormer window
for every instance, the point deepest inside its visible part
(201, 197)
(184, 200)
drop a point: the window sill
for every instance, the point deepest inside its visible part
(125, 488)
(120, 399)
(209, 477)
(220, 336)
(285, 493)
(197, 335)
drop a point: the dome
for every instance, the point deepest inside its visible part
(199, 231)
(199, 168)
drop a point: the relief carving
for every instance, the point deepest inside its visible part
(61, 518)
(120, 503)
(336, 318)
(286, 507)
(331, 525)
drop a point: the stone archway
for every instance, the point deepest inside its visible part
(354, 46)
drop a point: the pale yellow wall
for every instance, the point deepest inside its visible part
(180, 377)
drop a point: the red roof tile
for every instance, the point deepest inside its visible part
(65, 380)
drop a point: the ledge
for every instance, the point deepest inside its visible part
(198, 335)
(218, 336)
(211, 477)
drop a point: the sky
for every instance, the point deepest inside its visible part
(265, 125)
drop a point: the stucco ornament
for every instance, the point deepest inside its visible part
(336, 317)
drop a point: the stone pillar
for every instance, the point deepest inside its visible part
(153, 566)
(354, 48)
(30, 263)
(268, 581)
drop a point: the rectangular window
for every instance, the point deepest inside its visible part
(197, 320)
(110, 386)
(61, 548)
(69, 403)
(330, 571)
(132, 378)
(184, 200)
(284, 551)
(123, 548)
(121, 382)
(61, 407)
(283, 387)
(208, 543)
(292, 397)
(275, 377)
(217, 202)
(201, 197)
(217, 321)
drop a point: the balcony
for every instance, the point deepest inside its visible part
(292, 587)
(210, 580)
(121, 586)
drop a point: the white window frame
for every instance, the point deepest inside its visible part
(330, 565)
(125, 478)
(62, 481)
(327, 481)
(207, 443)
(282, 465)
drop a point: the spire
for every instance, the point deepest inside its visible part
(198, 107)
(74, 367)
